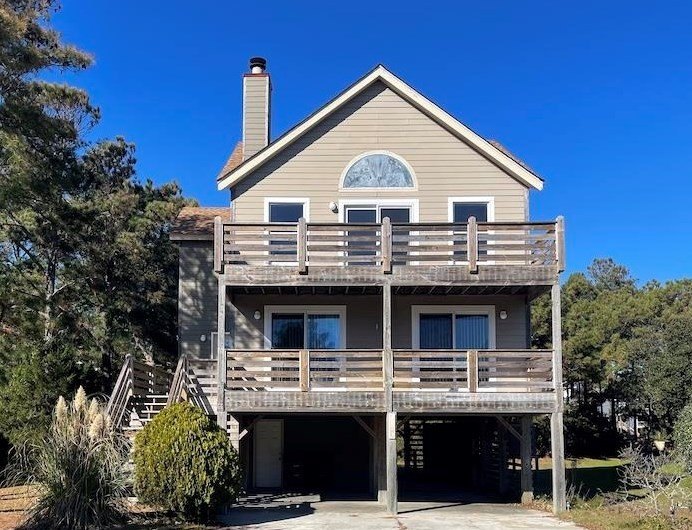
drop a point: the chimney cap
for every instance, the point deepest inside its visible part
(258, 65)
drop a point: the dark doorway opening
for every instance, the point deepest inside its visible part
(327, 455)
(453, 458)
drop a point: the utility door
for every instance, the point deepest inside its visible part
(269, 443)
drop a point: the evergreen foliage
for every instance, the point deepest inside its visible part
(185, 463)
(682, 436)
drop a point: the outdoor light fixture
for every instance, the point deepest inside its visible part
(257, 315)
(333, 207)
(203, 338)
(503, 314)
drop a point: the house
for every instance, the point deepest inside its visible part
(371, 279)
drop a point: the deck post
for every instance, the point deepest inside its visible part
(560, 243)
(221, 356)
(302, 245)
(525, 451)
(304, 370)
(386, 245)
(392, 494)
(472, 244)
(472, 370)
(557, 436)
(387, 356)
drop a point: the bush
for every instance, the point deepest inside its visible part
(185, 463)
(78, 468)
(682, 436)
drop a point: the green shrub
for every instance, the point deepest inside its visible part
(682, 436)
(185, 463)
(78, 468)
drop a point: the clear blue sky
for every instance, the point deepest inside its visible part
(596, 96)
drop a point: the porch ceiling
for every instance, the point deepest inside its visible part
(532, 291)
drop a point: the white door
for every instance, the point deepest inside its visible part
(268, 453)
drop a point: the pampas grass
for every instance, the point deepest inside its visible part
(78, 469)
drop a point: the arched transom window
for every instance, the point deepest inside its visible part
(378, 170)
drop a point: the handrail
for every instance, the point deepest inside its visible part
(388, 245)
(180, 381)
(510, 370)
(117, 403)
(136, 378)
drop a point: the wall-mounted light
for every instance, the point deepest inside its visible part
(503, 314)
(203, 338)
(257, 315)
(333, 207)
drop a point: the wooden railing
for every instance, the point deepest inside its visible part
(424, 370)
(136, 378)
(304, 369)
(389, 245)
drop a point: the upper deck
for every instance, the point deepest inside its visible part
(399, 254)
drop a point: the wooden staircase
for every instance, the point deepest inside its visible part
(143, 390)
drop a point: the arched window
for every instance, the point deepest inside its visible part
(378, 170)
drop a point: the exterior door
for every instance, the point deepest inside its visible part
(268, 453)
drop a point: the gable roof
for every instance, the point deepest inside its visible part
(498, 156)
(233, 161)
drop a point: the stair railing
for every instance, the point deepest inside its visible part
(124, 386)
(180, 383)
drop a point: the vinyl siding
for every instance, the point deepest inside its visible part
(378, 119)
(197, 291)
(364, 317)
(256, 133)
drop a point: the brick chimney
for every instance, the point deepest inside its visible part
(256, 107)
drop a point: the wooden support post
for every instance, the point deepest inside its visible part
(387, 356)
(302, 246)
(221, 356)
(304, 362)
(472, 373)
(218, 245)
(392, 494)
(386, 245)
(560, 243)
(472, 237)
(557, 441)
(525, 452)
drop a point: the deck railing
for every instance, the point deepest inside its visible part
(423, 370)
(386, 245)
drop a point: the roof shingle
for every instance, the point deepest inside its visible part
(197, 222)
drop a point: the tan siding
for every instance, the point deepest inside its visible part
(364, 317)
(255, 135)
(378, 119)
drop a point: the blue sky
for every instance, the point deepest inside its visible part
(596, 96)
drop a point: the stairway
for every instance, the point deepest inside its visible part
(143, 409)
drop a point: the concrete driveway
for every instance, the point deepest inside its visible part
(309, 513)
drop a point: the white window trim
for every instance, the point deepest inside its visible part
(287, 200)
(411, 204)
(418, 310)
(269, 311)
(490, 201)
(378, 152)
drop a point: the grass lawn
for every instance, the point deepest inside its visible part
(589, 476)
